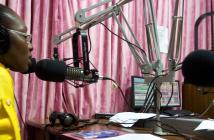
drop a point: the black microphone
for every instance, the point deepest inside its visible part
(198, 68)
(58, 71)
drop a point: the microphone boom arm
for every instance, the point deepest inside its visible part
(84, 23)
(154, 63)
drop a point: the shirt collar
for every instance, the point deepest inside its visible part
(3, 66)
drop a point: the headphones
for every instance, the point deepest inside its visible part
(4, 40)
(65, 119)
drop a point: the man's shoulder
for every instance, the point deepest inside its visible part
(4, 73)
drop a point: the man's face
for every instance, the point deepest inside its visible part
(19, 55)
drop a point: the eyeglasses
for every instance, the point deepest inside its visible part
(27, 37)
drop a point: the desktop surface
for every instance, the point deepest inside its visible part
(36, 131)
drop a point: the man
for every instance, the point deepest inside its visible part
(15, 55)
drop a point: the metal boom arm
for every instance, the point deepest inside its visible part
(84, 23)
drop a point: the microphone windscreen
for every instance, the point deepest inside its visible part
(51, 70)
(198, 68)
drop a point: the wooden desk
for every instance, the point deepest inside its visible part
(197, 102)
(36, 131)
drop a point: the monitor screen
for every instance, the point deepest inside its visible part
(169, 98)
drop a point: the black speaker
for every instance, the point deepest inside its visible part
(65, 119)
(4, 40)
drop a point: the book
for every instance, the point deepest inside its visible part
(93, 134)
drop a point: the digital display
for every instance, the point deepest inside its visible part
(140, 90)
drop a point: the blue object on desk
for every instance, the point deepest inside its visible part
(98, 134)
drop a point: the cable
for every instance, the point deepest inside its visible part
(19, 111)
(18, 108)
(157, 90)
(149, 74)
(172, 91)
(207, 109)
(175, 130)
(46, 135)
(152, 81)
(66, 59)
(152, 99)
(121, 91)
(89, 38)
(64, 100)
(149, 98)
(77, 127)
(148, 91)
(76, 85)
(20, 115)
(73, 83)
(93, 65)
(81, 58)
(123, 39)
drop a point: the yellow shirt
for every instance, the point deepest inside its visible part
(9, 125)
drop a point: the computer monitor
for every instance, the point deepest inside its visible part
(139, 92)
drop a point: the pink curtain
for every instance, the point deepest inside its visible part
(110, 55)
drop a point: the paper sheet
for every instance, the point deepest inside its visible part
(205, 125)
(163, 38)
(134, 137)
(127, 119)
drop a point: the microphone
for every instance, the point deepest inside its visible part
(198, 68)
(58, 71)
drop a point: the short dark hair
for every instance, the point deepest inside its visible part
(6, 19)
(6, 16)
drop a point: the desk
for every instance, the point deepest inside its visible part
(36, 131)
(197, 102)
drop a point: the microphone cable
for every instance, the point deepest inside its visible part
(76, 84)
(19, 111)
(21, 118)
(148, 90)
(121, 91)
(143, 51)
(124, 39)
(207, 109)
(170, 98)
(151, 100)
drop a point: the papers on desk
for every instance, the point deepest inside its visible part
(205, 125)
(134, 137)
(129, 136)
(127, 119)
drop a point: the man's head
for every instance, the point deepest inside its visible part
(15, 46)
